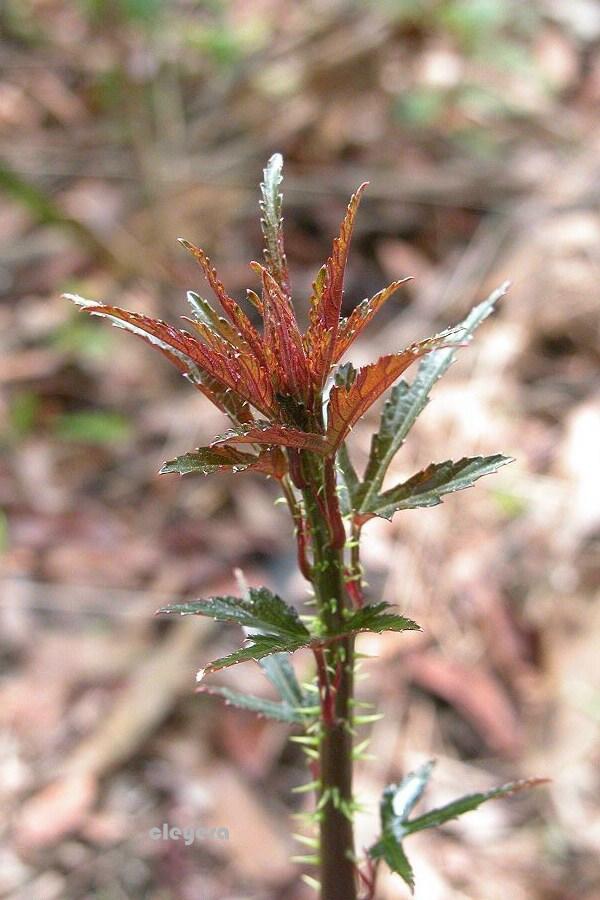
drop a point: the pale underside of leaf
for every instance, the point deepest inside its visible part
(407, 401)
(271, 709)
(427, 487)
(348, 404)
(272, 222)
(351, 328)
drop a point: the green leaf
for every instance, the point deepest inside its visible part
(427, 487)
(399, 800)
(393, 853)
(261, 609)
(272, 709)
(406, 401)
(206, 460)
(259, 647)
(347, 481)
(444, 814)
(372, 618)
(204, 313)
(280, 673)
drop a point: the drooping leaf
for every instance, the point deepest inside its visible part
(261, 609)
(206, 460)
(427, 487)
(392, 852)
(272, 222)
(360, 317)
(406, 402)
(228, 401)
(347, 480)
(276, 435)
(280, 673)
(348, 404)
(272, 709)
(326, 303)
(283, 341)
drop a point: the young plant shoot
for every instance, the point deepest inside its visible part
(292, 406)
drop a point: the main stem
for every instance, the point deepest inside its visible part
(337, 862)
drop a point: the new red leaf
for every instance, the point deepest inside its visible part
(347, 404)
(236, 314)
(360, 317)
(326, 302)
(283, 341)
(274, 435)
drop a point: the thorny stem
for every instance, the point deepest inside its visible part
(336, 845)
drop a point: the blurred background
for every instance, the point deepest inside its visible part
(126, 124)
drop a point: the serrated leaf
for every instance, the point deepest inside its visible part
(261, 609)
(326, 302)
(280, 673)
(427, 487)
(350, 328)
(443, 814)
(283, 341)
(272, 709)
(276, 435)
(230, 306)
(206, 460)
(259, 647)
(373, 618)
(399, 800)
(393, 853)
(348, 404)
(406, 402)
(204, 314)
(272, 222)
(238, 372)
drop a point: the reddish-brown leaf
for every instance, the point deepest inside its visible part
(348, 403)
(237, 372)
(326, 302)
(282, 339)
(360, 317)
(274, 435)
(230, 306)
